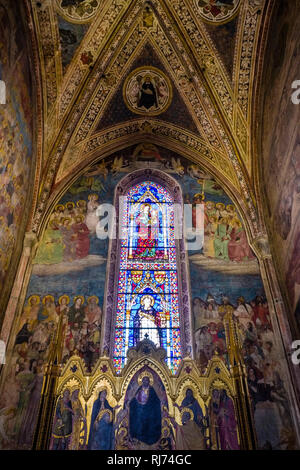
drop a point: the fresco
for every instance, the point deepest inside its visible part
(280, 152)
(68, 279)
(223, 424)
(78, 10)
(147, 90)
(216, 11)
(71, 36)
(15, 134)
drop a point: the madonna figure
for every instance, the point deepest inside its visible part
(145, 413)
(148, 228)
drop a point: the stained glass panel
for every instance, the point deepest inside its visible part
(148, 283)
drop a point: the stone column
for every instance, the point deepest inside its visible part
(238, 373)
(18, 292)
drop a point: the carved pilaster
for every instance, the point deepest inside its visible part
(239, 377)
(20, 284)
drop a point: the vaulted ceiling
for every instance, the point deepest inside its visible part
(209, 50)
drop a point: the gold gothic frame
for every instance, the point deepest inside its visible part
(73, 376)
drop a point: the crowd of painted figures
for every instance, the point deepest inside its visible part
(144, 422)
(14, 170)
(224, 235)
(265, 378)
(15, 132)
(20, 401)
(38, 326)
(67, 236)
(82, 322)
(252, 318)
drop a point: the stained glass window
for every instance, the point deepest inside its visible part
(147, 304)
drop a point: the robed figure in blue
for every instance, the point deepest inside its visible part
(101, 430)
(191, 402)
(145, 414)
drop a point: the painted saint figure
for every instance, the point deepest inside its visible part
(62, 430)
(188, 435)
(223, 425)
(145, 414)
(147, 321)
(101, 430)
(190, 402)
(79, 421)
(147, 223)
(148, 94)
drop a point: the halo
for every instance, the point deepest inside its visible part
(230, 206)
(145, 374)
(80, 200)
(93, 297)
(220, 204)
(58, 206)
(186, 410)
(63, 391)
(63, 296)
(103, 412)
(34, 297)
(199, 195)
(79, 297)
(102, 389)
(53, 221)
(148, 295)
(70, 202)
(91, 195)
(210, 202)
(48, 297)
(73, 388)
(67, 218)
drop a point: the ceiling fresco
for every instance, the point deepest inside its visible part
(193, 63)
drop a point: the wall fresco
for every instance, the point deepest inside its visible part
(15, 136)
(68, 279)
(280, 150)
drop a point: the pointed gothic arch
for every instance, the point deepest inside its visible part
(112, 278)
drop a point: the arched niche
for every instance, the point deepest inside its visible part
(27, 289)
(112, 279)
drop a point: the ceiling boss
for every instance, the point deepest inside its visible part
(217, 11)
(77, 11)
(147, 90)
